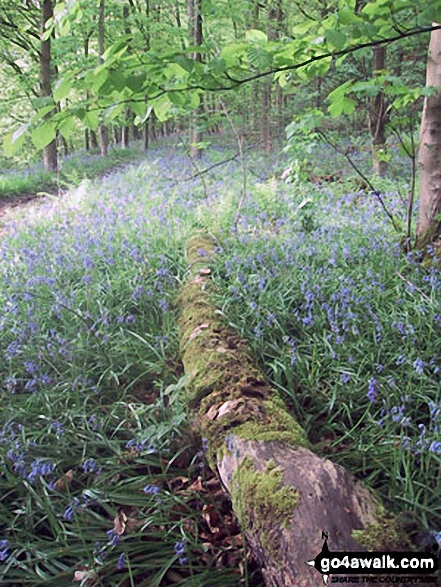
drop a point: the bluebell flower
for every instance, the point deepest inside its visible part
(372, 393)
(120, 565)
(435, 447)
(114, 537)
(151, 489)
(4, 550)
(418, 365)
(89, 465)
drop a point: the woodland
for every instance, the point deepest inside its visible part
(220, 293)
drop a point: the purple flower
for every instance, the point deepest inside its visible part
(151, 489)
(345, 377)
(40, 468)
(4, 546)
(418, 365)
(114, 537)
(89, 465)
(435, 447)
(120, 565)
(372, 393)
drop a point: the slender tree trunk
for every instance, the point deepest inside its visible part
(50, 155)
(87, 134)
(195, 36)
(280, 104)
(146, 135)
(102, 130)
(429, 217)
(93, 140)
(378, 116)
(266, 95)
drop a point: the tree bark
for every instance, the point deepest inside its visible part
(194, 9)
(429, 220)
(102, 130)
(378, 116)
(50, 155)
(283, 494)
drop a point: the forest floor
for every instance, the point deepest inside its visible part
(101, 479)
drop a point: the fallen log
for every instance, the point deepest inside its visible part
(283, 494)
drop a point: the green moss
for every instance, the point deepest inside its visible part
(262, 503)
(384, 535)
(200, 242)
(280, 425)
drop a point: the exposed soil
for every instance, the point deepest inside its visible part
(11, 202)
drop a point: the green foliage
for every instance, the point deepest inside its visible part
(165, 80)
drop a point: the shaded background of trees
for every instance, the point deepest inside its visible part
(85, 75)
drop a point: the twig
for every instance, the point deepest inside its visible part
(375, 192)
(239, 140)
(425, 296)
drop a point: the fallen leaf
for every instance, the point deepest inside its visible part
(119, 523)
(197, 485)
(228, 407)
(212, 413)
(63, 482)
(197, 331)
(84, 575)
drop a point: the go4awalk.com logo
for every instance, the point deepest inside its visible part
(407, 567)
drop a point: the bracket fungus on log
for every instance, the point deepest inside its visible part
(282, 493)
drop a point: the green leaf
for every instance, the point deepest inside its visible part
(91, 119)
(342, 105)
(341, 90)
(185, 62)
(138, 108)
(256, 36)
(67, 127)
(336, 39)
(62, 89)
(195, 100)
(15, 140)
(217, 65)
(258, 57)
(141, 119)
(231, 53)
(161, 107)
(177, 98)
(303, 28)
(43, 134)
(95, 79)
(114, 111)
(41, 113)
(135, 83)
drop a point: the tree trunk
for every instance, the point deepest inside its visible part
(378, 116)
(93, 140)
(283, 494)
(146, 135)
(194, 8)
(429, 219)
(50, 155)
(272, 25)
(102, 130)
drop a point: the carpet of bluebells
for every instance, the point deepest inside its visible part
(348, 328)
(93, 427)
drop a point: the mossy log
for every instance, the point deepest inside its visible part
(283, 494)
